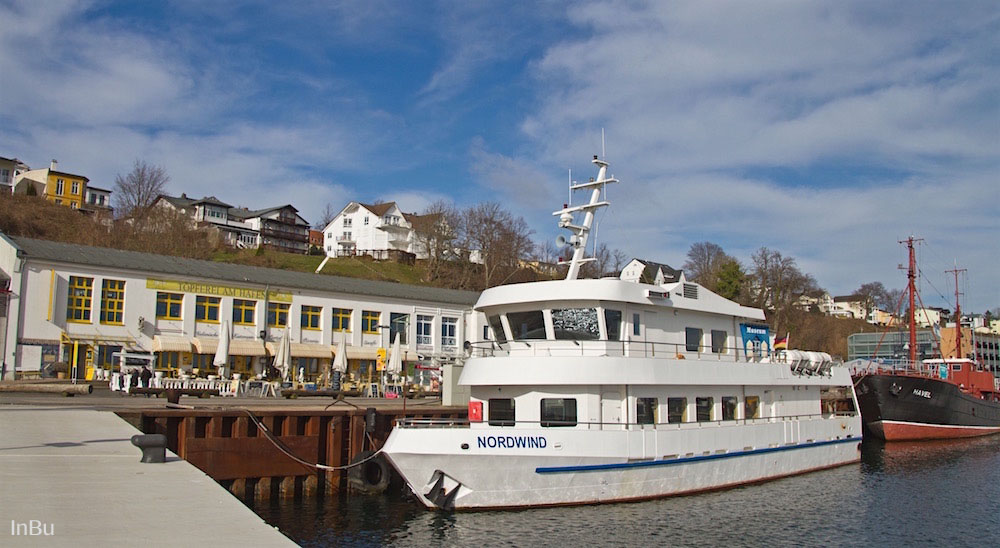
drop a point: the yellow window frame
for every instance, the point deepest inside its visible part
(113, 302)
(169, 301)
(369, 321)
(243, 312)
(310, 318)
(79, 299)
(342, 320)
(277, 314)
(203, 306)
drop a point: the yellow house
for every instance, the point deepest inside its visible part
(58, 187)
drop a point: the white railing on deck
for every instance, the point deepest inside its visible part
(630, 349)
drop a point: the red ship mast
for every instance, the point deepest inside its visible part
(958, 314)
(911, 274)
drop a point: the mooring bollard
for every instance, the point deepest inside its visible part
(153, 446)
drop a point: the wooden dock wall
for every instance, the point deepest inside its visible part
(228, 446)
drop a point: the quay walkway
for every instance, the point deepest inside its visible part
(71, 476)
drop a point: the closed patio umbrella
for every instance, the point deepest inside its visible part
(283, 356)
(222, 351)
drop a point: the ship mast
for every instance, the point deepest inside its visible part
(578, 240)
(911, 275)
(958, 313)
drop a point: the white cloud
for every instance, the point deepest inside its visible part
(886, 114)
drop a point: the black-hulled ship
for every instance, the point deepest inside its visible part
(928, 399)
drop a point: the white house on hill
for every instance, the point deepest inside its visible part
(641, 271)
(379, 230)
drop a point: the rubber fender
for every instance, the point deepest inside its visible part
(371, 477)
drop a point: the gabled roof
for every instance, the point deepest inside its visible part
(378, 209)
(670, 275)
(165, 265)
(211, 200)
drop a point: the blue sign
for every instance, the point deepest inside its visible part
(756, 339)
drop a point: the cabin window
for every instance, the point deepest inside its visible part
(729, 405)
(527, 325)
(635, 324)
(677, 409)
(558, 412)
(575, 324)
(751, 407)
(703, 408)
(956, 367)
(501, 411)
(719, 341)
(497, 328)
(613, 322)
(692, 339)
(645, 410)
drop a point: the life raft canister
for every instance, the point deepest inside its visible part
(475, 411)
(371, 477)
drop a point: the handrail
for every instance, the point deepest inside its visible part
(602, 348)
(462, 423)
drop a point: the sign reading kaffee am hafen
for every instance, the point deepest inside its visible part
(218, 290)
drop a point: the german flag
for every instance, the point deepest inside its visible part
(781, 343)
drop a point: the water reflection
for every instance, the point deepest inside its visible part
(940, 492)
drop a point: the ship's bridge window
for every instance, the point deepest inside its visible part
(575, 324)
(719, 341)
(645, 410)
(558, 412)
(501, 412)
(527, 325)
(703, 408)
(729, 405)
(692, 336)
(677, 409)
(613, 322)
(497, 328)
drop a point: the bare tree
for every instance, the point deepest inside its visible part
(620, 259)
(326, 217)
(500, 239)
(776, 283)
(546, 252)
(135, 192)
(704, 264)
(436, 232)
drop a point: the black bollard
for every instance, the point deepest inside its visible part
(370, 420)
(153, 446)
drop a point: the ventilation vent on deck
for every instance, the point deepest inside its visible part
(691, 291)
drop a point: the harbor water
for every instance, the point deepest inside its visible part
(943, 493)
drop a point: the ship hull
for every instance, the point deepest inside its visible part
(545, 467)
(904, 407)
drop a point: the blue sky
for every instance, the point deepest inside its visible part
(825, 130)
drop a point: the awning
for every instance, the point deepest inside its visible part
(371, 353)
(362, 353)
(246, 347)
(205, 346)
(163, 343)
(304, 350)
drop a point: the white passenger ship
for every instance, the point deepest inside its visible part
(601, 390)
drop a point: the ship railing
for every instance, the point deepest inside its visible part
(465, 423)
(892, 366)
(619, 349)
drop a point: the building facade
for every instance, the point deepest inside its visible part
(280, 228)
(380, 230)
(10, 168)
(58, 187)
(83, 306)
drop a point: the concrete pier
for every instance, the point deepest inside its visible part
(71, 477)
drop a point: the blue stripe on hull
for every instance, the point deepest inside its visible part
(685, 460)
